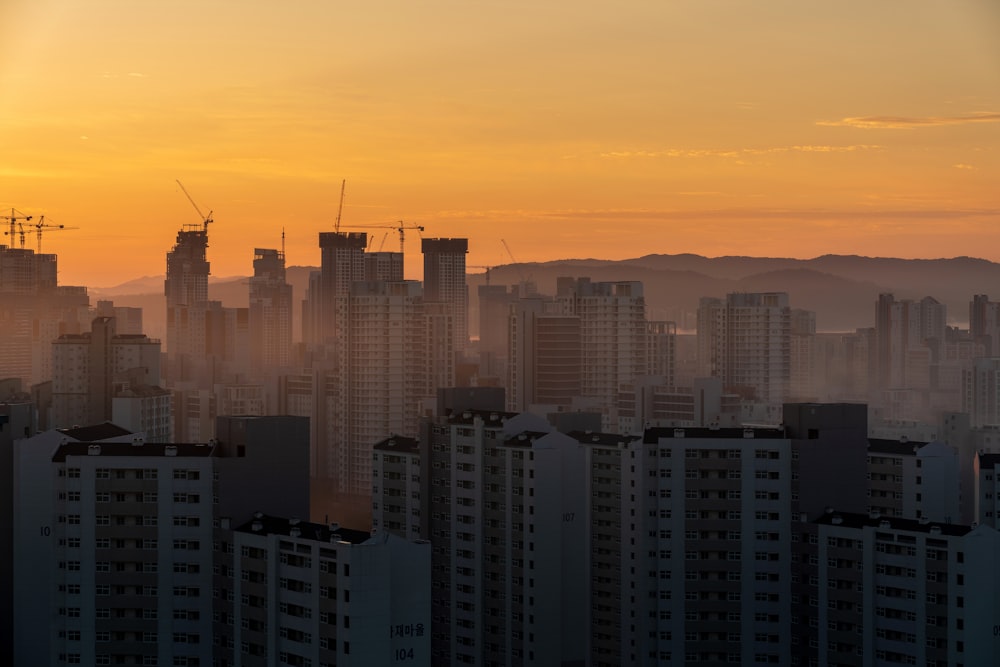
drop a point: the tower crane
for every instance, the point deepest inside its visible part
(520, 273)
(482, 266)
(42, 225)
(340, 209)
(15, 221)
(205, 219)
(400, 227)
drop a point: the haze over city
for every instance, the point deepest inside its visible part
(570, 130)
(690, 353)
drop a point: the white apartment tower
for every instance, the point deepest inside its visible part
(745, 340)
(90, 369)
(614, 336)
(290, 592)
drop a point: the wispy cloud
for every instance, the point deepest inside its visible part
(911, 122)
(737, 153)
(963, 166)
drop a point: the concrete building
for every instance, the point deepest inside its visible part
(984, 324)
(17, 421)
(88, 370)
(186, 290)
(545, 357)
(803, 384)
(342, 262)
(295, 593)
(386, 266)
(500, 502)
(650, 401)
(445, 281)
(270, 312)
(871, 590)
(914, 480)
(746, 341)
(903, 327)
(981, 392)
(34, 311)
(614, 336)
(117, 533)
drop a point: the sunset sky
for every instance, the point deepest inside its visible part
(570, 129)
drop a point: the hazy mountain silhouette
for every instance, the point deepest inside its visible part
(841, 289)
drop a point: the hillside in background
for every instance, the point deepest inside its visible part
(841, 289)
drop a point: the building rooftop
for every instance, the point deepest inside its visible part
(524, 439)
(489, 417)
(602, 439)
(902, 447)
(853, 520)
(262, 524)
(653, 435)
(398, 443)
(989, 461)
(95, 432)
(135, 448)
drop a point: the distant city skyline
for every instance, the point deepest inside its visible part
(715, 128)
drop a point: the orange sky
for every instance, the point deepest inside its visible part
(583, 129)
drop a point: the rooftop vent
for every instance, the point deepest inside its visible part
(93, 450)
(295, 532)
(257, 526)
(170, 450)
(678, 433)
(748, 433)
(334, 527)
(137, 441)
(837, 520)
(294, 521)
(258, 515)
(884, 523)
(935, 530)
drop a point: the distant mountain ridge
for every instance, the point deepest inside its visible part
(842, 289)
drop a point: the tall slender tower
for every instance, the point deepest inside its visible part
(444, 280)
(186, 289)
(270, 311)
(342, 262)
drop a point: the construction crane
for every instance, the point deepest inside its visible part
(340, 209)
(481, 266)
(42, 225)
(400, 227)
(205, 219)
(513, 259)
(15, 221)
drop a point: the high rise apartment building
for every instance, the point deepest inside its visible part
(186, 290)
(342, 263)
(545, 357)
(270, 315)
(981, 392)
(984, 324)
(873, 590)
(290, 592)
(34, 311)
(746, 340)
(614, 336)
(116, 538)
(914, 480)
(445, 281)
(89, 370)
(679, 540)
(505, 517)
(902, 331)
(393, 351)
